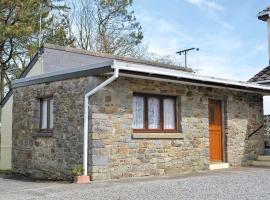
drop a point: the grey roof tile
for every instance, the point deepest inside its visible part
(263, 75)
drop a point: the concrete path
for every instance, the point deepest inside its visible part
(235, 184)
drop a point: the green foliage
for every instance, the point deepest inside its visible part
(77, 171)
(25, 24)
(6, 171)
(107, 26)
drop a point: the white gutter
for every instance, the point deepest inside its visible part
(180, 74)
(86, 114)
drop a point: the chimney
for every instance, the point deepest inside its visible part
(265, 16)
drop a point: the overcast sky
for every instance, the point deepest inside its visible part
(232, 41)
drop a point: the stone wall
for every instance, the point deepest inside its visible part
(49, 157)
(114, 153)
(244, 115)
(267, 131)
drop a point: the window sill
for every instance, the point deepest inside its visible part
(162, 135)
(47, 133)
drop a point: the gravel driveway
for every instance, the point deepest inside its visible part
(236, 184)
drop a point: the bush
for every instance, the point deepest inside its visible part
(78, 171)
(6, 171)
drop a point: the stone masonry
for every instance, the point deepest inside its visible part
(114, 153)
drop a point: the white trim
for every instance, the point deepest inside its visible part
(64, 72)
(181, 74)
(150, 69)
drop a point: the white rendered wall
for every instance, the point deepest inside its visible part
(6, 127)
(266, 105)
(6, 135)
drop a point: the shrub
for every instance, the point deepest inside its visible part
(77, 171)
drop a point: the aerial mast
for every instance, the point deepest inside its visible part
(185, 51)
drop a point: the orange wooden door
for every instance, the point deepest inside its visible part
(215, 130)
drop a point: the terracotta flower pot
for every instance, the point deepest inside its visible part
(81, 179)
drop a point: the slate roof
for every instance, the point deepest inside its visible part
(120, 58)
(263, 75)
(89, 53)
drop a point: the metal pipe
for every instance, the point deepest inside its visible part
(86, 114)
(268, 34)
(185, 59)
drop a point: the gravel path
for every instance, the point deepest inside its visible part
(236, 184)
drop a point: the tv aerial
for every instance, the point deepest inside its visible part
(185, 51)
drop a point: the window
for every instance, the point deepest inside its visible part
(154, 113)
(138, 112)
(46, 114)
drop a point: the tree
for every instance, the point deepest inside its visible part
(165, 59)
(24, 26)
(106, 26)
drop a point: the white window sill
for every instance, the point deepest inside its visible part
(162, 135)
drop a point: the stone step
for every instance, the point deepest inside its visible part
(267, 151)
(264, 158)
(214, 166)
(261, 163)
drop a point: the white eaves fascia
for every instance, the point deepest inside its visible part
(181, 74)
(61, 73)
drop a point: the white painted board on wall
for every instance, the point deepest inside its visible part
(266, 105)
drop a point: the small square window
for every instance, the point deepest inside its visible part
(46, 114)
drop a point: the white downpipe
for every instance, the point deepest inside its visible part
(86, 114)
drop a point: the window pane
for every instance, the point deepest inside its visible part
(169, 115)
(51, 114)
(44, 115)
(138, 112)
(153, 113)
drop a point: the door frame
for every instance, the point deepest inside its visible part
(223, 124)
(223, 139)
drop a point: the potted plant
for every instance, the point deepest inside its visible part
(77, 172)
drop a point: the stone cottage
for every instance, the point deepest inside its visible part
(124, 117)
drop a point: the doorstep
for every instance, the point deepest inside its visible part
(218, 165)
(267, 151)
